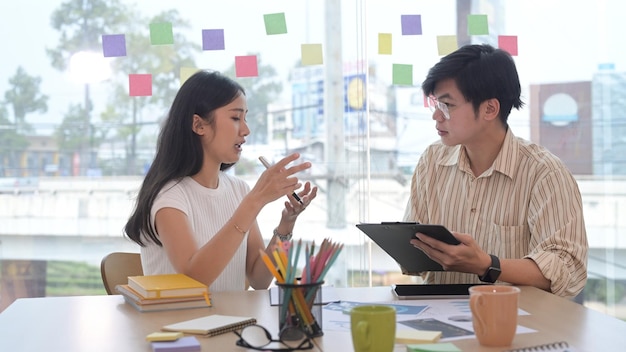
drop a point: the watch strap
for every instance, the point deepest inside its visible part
(493, 271)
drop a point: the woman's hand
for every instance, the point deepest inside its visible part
(293, 208)
(279, 180)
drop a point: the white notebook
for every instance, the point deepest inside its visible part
(560, 346)
(211, 325)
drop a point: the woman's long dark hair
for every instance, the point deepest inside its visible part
(179, 151)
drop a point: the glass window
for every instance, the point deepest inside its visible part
(83, 93)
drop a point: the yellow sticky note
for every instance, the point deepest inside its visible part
(186, 72)
(446, 44)
(384, 43)
(312, 54)
(417, 336)
(164, 336)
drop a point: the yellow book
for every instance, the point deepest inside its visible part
(167, 285)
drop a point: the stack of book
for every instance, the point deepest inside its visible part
(164, 292)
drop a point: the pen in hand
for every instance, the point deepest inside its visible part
(267, 165)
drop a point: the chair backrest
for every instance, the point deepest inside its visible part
(116, 267)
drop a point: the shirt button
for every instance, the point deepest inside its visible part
(473, 210)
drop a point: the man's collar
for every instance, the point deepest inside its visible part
(505, 162)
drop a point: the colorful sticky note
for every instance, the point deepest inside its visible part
(186, 72)
(161, 33)
(411, 24)
(433, 347)
(477, 25)
(402, 74)
(446, 44)
(384, 43)
(140, 85)
(275, 23)
(186, 344)
(246, 66)
(508, 43)
(213, 39)
(113, 45)
(311, 54)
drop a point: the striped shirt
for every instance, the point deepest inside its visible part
(526, 205)
(207, 211)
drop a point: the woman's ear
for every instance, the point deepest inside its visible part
(197, 124)
(491, 108)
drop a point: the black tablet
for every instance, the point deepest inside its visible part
(394, 237)
(423, 291)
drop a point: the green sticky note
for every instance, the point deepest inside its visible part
(161, 33)
(433, 347)
(446, 44)
(477, 25)
(275, 23)
(384, 43)
(402, 74)
(312, 54)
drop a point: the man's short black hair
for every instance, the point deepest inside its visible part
(481, 72)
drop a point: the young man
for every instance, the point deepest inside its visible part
(514, 206)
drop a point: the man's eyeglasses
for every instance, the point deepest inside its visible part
(435, 105)
(257, 337)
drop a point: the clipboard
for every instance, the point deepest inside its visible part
(394, 237)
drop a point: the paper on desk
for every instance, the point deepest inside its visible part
(329, 295)
(453, 317)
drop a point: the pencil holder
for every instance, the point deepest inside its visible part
(300, 310)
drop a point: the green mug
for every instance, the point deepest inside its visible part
(373, 328)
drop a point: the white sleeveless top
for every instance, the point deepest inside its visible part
(207, 211)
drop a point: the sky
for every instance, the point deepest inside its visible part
(559, 40)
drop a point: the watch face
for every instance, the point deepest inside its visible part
(493, 274)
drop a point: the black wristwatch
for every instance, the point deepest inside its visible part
(493, 271)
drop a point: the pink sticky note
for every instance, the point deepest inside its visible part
(140, 85)
(246, 66)
(508, 43)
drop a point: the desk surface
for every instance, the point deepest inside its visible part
(106, 323)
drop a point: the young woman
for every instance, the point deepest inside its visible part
(193, 218)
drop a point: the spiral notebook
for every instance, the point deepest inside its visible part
(211, 325)
(560, 346)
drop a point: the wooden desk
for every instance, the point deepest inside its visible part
(106, 323)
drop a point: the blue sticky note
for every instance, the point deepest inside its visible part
(184, 344)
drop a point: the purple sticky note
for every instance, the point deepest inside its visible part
(113, 45)
(184, 344)
(411, 24)
(213, 39)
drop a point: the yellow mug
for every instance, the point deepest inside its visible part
(494, 313)
(373, 328)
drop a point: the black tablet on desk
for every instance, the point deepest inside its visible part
(394, 237)
(424, 291)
